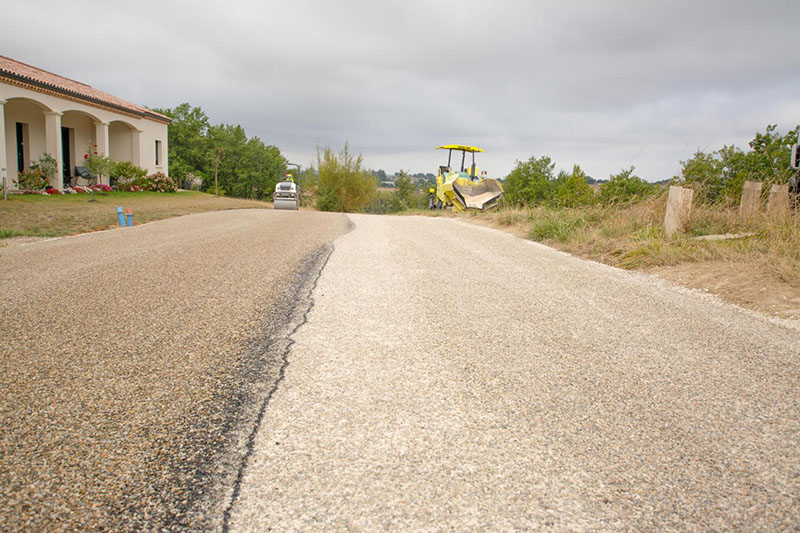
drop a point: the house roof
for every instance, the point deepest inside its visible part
(18, 73)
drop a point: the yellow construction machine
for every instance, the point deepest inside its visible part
(467, 188)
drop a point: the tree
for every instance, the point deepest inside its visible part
(403, 195)
(625, 187)
(573, 191)
(719, 176)
(531, 182)
(188, 149)
(343, 185)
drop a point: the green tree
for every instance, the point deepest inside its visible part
(343, 184)
(242, 167)
(531, 182)
(704, 173)
(403, 196)
(625, 187)
(573, 191)
(188, 147)
(718, 177)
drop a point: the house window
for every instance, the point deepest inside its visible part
(158, 153)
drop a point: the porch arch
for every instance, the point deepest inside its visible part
(24, 132)
(78, 136)
(123, 141)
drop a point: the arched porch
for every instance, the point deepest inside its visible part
(25, 129)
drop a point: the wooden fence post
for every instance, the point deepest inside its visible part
(679, 205)
(751, 199)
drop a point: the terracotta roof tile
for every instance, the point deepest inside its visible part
(10, 68)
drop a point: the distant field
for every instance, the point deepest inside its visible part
(55, 216)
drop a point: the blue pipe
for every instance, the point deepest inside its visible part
(130, 218)
(120, 216)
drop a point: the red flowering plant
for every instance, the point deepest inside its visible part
(97, 164)
(38, 175)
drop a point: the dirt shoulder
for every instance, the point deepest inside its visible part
(746, 284)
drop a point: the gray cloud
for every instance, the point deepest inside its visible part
(602, 84)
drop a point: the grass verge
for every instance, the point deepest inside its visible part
(69, 214)
(633, 237)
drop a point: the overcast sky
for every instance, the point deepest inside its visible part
(602, 84)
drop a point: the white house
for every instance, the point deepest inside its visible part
(42, 112)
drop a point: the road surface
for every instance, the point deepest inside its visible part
(452, 377)
(249, 370)
(133, 362)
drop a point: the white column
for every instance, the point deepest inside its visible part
(101, 139)
(136, 147)
(52, 145)
(165, 154)
(4, 172)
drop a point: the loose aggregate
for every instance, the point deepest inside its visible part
(454, 378)
(134, 363)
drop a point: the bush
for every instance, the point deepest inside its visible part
(343, 185)
(717, 178)
(38, 175)
(573, 190)
(31, 179)
(160, 182)
(125, 172)
(531, 182)
(625, 187)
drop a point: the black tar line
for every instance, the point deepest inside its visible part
(284, 364)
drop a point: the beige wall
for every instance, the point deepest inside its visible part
(120, 146)
(129, 138)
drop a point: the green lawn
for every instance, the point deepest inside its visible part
(53, 216)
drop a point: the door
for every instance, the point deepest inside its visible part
(20, 147)
(66, 151)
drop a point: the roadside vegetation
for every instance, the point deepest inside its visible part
(623, 222)
(221, 158)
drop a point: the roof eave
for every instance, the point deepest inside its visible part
(97, 102)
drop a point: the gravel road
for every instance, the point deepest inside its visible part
(452, 377)
(134, 364)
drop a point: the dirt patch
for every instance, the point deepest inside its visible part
(744, 284)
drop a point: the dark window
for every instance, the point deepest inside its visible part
(158, 153)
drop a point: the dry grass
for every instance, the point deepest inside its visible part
(633, 237)
(54, 216)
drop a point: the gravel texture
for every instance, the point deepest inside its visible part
(453, 377)
(135, 362)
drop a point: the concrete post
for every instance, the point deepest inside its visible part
(101, 139)
(679, 205)
(52, 145)
(751, 199)
(3, 163)
(778, 205)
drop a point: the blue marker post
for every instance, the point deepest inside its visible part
(120, 216)
(130, 218)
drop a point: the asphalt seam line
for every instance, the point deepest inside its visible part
(226, 518)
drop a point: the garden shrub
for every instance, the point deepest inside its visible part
(125, 173)
(160, 182)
